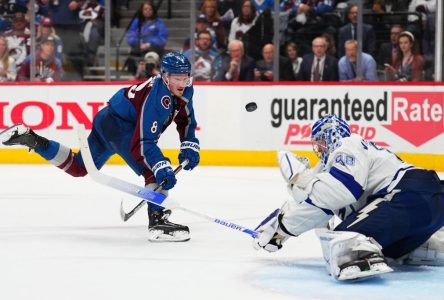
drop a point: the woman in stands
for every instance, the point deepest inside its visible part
(8, 70)
(146, 33)
(209, 9)
(244, 22)
(409, 65)
(291, 51)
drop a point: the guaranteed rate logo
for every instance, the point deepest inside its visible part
(300, 113)
(417, 117)
(352, 110)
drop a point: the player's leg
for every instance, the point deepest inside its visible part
(57, 154)
(404, 219)
(351, 255)
(160, 229)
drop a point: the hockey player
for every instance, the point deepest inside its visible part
(388, 207)
(130, 126)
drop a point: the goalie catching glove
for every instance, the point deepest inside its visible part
(270, 235)
(295, 169)
(189, 150)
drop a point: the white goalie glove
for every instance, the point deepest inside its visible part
(295, 169)
(271, 237)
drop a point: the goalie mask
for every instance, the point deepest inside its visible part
(326, 135)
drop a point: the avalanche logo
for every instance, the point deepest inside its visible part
(417, 117)
(166, 102)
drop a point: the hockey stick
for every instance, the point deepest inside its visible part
(126, 215)
(144, 193)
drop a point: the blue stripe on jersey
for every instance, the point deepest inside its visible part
(348, 181)
(326, 211)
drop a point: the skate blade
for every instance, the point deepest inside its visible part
(157, 236)
(6, 134)
(359, 275)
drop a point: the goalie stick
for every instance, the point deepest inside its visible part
(142, 192)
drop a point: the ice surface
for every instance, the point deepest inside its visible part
(62, 238)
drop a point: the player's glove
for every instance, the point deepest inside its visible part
(270, 235)
(295, 169)
(189, 150)
(163, 171)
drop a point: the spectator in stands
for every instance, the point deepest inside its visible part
(92, 15)
(394, 6)
(46, 29)
(146, 33)
(264, 67)
(427, 10)
(319, 66)
(228, 10)
(388, 51)
(209, 9)
(201, 25)
(8, 70)
(204, 57)
(48, 66)
(331, 44)
(291, 50)
(348, 68)
(237, 66)
(409, 65)
(148, 67)
(307, 11)
(262, 5)
(349, 32)
(18, 38)
(244, 22)
(64, 15)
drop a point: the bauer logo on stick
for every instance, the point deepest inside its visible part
(252, 106)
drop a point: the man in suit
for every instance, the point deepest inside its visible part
(319, 66)
(264, 67)
(390, 50)
(237, 66)
(349, 32)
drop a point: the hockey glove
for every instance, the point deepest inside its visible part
(189, 150)
(270, 236)
(163, 172)
(295, 169)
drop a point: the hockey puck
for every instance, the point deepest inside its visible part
(251, 106)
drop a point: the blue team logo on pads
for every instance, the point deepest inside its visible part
(166, 102)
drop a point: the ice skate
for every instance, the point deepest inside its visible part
(371, 264)
(19, 134)
(162, 230)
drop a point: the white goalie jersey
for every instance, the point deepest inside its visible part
(356, 173)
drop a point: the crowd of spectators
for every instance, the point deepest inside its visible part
(67, 36)
(319, 41)
(233, 40)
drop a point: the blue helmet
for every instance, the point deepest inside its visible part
(326, 135)
(175, 62)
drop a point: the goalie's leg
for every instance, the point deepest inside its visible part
(351, 255)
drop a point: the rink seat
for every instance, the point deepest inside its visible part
(408, 118)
